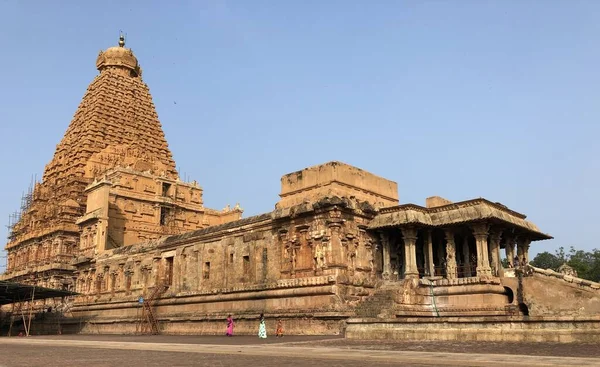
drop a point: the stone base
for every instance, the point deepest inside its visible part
(496, 329)
(292, 326)
(309, 324)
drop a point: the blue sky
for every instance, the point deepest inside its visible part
(461, 99)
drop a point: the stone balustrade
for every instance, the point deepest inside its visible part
(567, 278)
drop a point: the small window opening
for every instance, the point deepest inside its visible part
(169, 271)
(165, 188)
(231, 258)
(246, 265)
(206, 272)
(164, 215)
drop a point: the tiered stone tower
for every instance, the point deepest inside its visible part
(115, 133)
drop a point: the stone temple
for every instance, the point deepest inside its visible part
(112, 220)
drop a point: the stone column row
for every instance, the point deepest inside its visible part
(488, 252)
(410, 253)
(523, 243)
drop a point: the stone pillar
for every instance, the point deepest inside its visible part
(466, 256)
(523, 249)
(450, 254)
(495, 251)
(509, 251)
(385, 247)
(410, 253)
(440, 248)
(526, 244)
(429, 252)
(480, 231)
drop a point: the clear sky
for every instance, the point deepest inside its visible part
(460, 99)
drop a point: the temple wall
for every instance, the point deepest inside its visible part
(309, 268)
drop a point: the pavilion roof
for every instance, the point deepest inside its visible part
(463, 212)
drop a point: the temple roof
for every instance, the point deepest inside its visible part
(118, 57)
(476, 210)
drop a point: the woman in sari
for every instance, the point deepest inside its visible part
(262, 328)
(229, 326)
(279, 330)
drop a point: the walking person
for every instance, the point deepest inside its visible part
(229, 326)
(262, 328)
(279, 330)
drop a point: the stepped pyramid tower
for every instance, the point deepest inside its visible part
(111, 182)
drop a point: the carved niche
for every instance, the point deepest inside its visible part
(304, 256)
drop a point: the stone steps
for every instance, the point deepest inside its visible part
(377, 304)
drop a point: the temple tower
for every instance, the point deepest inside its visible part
(114, 139)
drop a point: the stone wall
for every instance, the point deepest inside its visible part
(494, 329)
(309, 264)
(336, 179)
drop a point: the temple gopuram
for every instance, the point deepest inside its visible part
(112, 220)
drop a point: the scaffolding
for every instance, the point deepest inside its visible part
(26, 201)
(23, 298)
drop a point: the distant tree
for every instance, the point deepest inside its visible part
(587, 264)
(546, 260)
(595, 268)
(561, 255)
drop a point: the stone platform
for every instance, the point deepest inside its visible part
(487, 328)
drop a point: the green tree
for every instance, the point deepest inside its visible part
(587, 264)
(561, 255)
(546, 260)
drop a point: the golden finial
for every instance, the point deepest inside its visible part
(121, 40)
